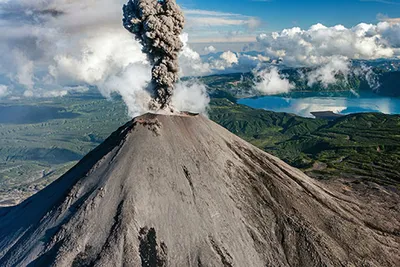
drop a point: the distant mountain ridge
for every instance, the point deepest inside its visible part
(241, 85)
(360, 148)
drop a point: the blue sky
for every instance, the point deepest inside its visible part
(86, 44)
(275, 15)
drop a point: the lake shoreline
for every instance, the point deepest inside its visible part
(304, 104)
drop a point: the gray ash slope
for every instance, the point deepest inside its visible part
(183, 191)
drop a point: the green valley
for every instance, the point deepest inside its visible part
(48, 136)
(361, 147)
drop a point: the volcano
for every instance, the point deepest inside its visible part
(183, 191)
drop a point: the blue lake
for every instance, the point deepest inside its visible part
(339, 102)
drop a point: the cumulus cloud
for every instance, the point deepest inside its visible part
(24, 71)
(229, 62)
(229, 57)
(210, 49)
(327, 74)
(320, 44)
(190, 62)
(390, 31)
(269, 81)
(49, 45)
(383, 17)
(3, 90)
(329, 50)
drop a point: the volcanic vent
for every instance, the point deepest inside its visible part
(183, 191)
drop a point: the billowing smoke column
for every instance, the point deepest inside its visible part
(157, 24)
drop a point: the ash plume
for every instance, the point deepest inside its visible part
(157, 25)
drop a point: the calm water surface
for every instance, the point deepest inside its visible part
(342, 102)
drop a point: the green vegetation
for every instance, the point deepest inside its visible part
(48, 136)
(359, 146)
(233, 85)
(260, 127)
(238, 85)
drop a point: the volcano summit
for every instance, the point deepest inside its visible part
(183, 191)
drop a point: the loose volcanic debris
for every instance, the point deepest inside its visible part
(196, 195)
(157, 25)
(153, 125)
(226, 259)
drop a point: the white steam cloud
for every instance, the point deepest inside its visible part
(130, 84)
(270, 82)
(50, 47)
(47, 46)
(191, 96)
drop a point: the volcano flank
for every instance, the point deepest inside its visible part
(183, 191)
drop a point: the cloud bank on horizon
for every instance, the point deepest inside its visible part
(326, 50)
(50, 48)
(320, 44)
